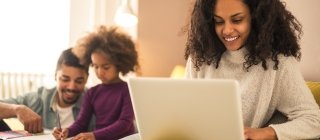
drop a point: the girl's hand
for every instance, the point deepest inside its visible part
(60, 134)
(85, 136)
(266, 133)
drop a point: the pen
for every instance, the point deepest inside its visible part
(58, 123)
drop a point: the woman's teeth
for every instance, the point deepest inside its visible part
(231, 38)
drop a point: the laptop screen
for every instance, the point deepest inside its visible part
(188, 109)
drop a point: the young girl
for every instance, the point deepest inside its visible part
(110, 53)
(255, 42)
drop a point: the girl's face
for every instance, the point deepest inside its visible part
(232, 23)
(104, 69)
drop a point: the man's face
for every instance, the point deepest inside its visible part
(70, 84)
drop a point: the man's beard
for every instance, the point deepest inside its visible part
(70, 91)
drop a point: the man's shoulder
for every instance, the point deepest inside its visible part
(45, 93)
(45, 90)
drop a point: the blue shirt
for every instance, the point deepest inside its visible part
(41, 102)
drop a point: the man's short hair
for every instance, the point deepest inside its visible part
(70, 59)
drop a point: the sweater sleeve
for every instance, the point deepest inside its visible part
(82, 122)
(120, 126)
(297, 103)
(190, 71)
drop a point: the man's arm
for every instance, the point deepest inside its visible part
(7, 110)
(31, 121)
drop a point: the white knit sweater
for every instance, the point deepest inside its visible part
(265, 91)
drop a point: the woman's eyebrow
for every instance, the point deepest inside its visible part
(234, 15)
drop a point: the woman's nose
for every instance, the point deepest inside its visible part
(228, 29)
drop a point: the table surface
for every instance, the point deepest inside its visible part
(37, 137)
(47, 135)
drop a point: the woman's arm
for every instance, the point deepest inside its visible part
(297, 103)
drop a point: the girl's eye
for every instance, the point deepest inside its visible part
(94, 66)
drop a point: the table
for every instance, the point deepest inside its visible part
(46, 135)
(37, 137)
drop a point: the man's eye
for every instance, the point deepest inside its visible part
(79, 81)
(64, 80)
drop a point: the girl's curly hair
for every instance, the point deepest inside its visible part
(118, 46)
(274, 31)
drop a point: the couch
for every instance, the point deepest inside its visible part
(315, 89)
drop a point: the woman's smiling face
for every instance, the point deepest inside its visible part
(232, 23)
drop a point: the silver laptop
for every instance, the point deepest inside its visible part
(187, 109)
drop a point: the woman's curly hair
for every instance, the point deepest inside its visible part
(118, 46)
(274, 31)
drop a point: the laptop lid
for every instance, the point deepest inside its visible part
(187, 109)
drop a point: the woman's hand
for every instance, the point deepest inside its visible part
(85, 136)
(60, 134)
(266, 133)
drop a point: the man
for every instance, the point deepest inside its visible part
(38, 109)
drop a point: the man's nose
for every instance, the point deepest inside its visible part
(72, 85)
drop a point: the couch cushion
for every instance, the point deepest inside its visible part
(315, 89)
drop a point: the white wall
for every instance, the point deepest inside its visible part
(159, 45)
(307, 12)
(33, 33)
(85, 15)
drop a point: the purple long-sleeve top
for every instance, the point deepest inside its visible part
(111, 105)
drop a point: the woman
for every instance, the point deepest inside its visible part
(256, 43)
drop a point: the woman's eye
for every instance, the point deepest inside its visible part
(237, 21)
(218, 23)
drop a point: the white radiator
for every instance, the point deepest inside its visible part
(13, 84)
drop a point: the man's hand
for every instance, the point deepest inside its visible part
(85, 136)
(31, 121)
(266, 133)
